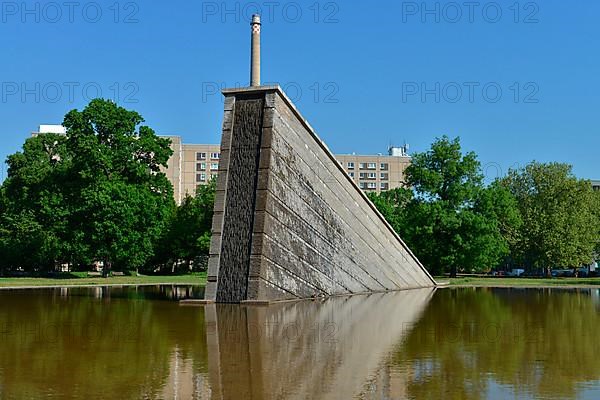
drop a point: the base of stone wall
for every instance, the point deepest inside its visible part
(267, 303)
(194, 302)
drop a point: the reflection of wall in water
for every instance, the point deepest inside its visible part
(333, 349)
(182, 383)
(595, 294)
(389, 383)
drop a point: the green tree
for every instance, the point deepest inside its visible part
(560, 215)
(190, 228)
(119, 199)
(33, 209)
(205, 202)
(96, 194)
(393, 205)
(596, 198)
(450, 219)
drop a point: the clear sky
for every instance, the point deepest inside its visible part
(516, 81)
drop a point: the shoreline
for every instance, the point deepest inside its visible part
(199, 279)
(14, 283)
(523, 283)
(517, 286)
(96, 285)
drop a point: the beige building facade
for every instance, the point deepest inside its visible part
(193, 165)
(377, 173)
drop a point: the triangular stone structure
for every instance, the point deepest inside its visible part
(289, 222)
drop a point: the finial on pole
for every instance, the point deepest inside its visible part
(255, 57)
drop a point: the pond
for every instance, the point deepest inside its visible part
(139, 343)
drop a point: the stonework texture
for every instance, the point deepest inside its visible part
(314, 233)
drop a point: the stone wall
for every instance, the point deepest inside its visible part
(314, 232)
(238, 221)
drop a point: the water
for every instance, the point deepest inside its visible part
(139, 343)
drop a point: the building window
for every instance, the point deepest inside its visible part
(372, 185)
(384, 166)
(200, 177)
(200, 167)
(385, 186)
(351, 174)
(372, 175)
(371, 165)
(363, 175)
(363, 165)
(200, 156)
(385, 176)
(214, 166)
(215, 156)
(350, 165)
(362, 185)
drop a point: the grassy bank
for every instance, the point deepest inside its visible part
(200, 279)
(523, 282)
(81, 280)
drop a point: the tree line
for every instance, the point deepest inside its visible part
(539, 217)
(98, 195)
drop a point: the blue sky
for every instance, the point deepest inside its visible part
(516, 81)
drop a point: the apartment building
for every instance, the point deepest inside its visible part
(377, 173)
(191, 165)
(596, 185)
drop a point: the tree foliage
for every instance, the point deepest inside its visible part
(448, 217)
(96, 194)
(189, 233)
(560, 215)
(120, 200)
(540, 216)
(32, 215)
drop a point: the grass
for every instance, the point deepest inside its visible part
(81, 279)
(516, 282)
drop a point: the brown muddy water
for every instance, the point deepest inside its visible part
(139, 343)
